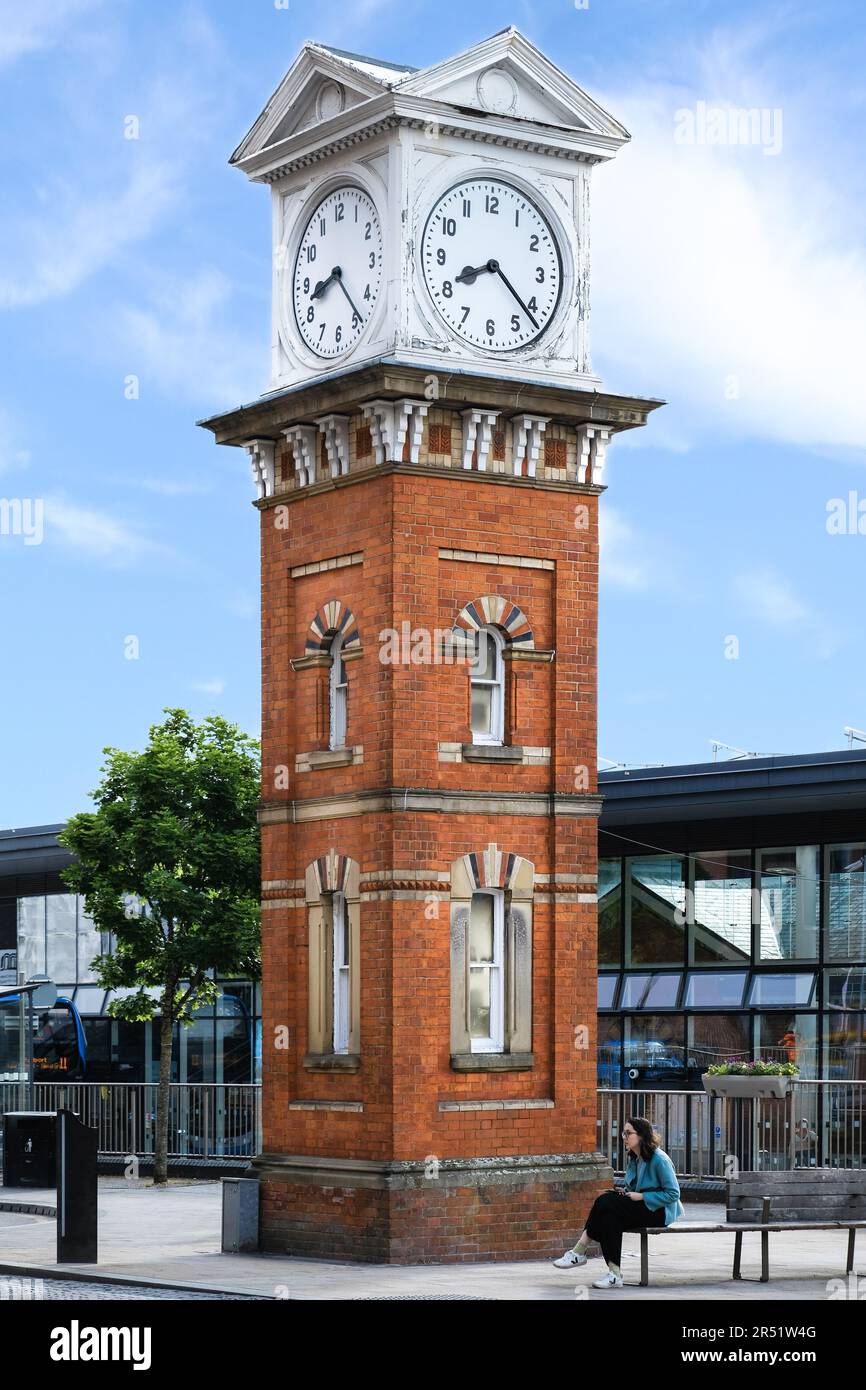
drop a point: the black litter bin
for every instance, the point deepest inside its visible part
(30, 1148)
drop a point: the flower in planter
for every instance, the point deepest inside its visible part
(736, 1067)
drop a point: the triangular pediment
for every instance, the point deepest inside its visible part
(508, 76)
(505, 79)
(321, 84)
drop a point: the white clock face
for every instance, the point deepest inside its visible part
(491, 264)
(338, 272)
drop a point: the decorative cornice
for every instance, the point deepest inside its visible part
(528, 439)
(303, 440)
(392, 424)
(388, 379)
(261, 454)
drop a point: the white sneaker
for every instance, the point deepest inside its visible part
(571, 1257)
(610, 1281)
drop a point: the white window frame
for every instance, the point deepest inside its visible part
(495, 735)
(342, 984)
(338, 693)
(496, 1041)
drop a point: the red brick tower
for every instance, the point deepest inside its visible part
(428, 485)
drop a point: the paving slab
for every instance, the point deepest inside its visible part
(173, 1235)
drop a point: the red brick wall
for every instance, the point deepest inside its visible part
(400, 714)
(531, 1221)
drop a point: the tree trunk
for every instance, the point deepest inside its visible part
(166, 1030)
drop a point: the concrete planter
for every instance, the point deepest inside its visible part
(746, 1086)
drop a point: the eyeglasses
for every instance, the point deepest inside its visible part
(627, 1133)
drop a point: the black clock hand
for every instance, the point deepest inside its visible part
(338, 274)
(509, 285)
(469, 274)
(323, 284)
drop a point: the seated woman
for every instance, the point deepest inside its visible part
(652, 1199)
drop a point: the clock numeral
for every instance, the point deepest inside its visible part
(447, 288)
(321, 331)
(490, 327)
(491, 203)
(356, 212)
(449, 226)
(355, 320)
(539, 274)
(465, 308)
(323, 226)
(467, 208)
(311, 313)
(338, 212)
(367, 292)
(533, 243)
(368, 232)
(532, 306)
(515, 323)
(311, 252)
(339, 333)
(517, 217)
(440, 256)
(306, 284)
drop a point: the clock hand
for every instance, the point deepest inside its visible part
(469, 274)
(323, 284)
(338, 275)
(508, 284)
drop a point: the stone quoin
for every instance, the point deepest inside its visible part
(430, 453)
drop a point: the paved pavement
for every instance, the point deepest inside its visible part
(172, 1236)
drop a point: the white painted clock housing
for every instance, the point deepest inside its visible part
(500, 113)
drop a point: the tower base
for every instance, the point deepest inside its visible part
(434, 1211)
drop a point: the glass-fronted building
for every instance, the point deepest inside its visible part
(732, 918)
(731, 922)
(44, 931)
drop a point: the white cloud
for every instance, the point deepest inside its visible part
(162, 487)
(768, 597)
(12, 455)
(97, 534)
(51, 256)
(215, 686)
(184, 342)
(620, 561)
(730, 282)
(27, 26)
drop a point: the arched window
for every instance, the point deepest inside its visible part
(340, 954)
(491, 960)
(486, 971)
(337, 695)
(487, 677)
(333, 898)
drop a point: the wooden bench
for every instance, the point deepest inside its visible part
(804, 1199)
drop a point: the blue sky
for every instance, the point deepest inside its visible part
(729, 279)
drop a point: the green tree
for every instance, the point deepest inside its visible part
(169, 864)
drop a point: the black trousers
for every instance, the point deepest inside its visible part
(611, 1214)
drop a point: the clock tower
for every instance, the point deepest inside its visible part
(428, 459)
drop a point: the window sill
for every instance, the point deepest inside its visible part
(328, 757)
(491, 753)
(492, 1061)
(332, 1061)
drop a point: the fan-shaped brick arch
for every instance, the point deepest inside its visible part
(492, 868)
(334, 617)
(501, 612)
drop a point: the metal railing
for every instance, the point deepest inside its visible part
(817, 1124)
(205, 1120)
